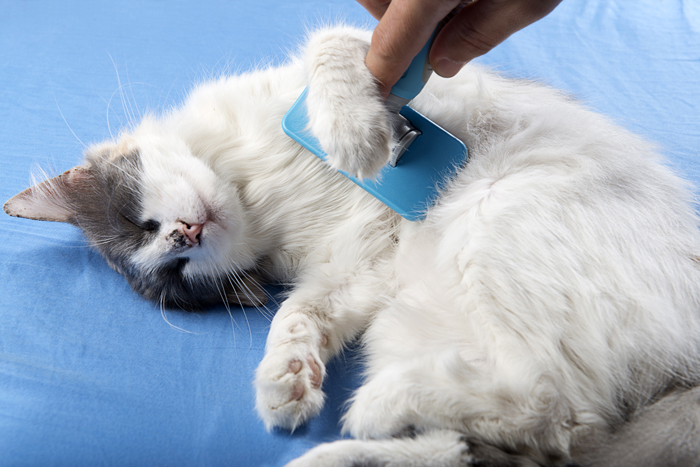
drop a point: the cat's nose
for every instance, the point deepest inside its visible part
(192, 231)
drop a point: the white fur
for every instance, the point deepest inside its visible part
(344, 106)
(182, 189)
(441, 448)
(558, 275)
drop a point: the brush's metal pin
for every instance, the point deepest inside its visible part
(404, 131)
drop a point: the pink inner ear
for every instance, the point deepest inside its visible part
(48, 200)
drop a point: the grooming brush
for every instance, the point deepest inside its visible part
(423, 159)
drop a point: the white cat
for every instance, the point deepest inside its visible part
(552, 291)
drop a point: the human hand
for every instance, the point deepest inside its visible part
(476, 28)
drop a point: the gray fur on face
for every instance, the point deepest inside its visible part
(109, 211)
(107, 207)
(104, 198)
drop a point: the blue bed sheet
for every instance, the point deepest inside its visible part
(91, 374)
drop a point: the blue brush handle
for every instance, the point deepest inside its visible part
(417, 74)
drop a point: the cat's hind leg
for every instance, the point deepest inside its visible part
(443, 390)
(403, 394)
(440, 448)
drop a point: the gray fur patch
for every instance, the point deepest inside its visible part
(485, 455)
(108, 208)
(665, 434)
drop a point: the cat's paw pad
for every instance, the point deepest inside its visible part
(288, 386)
(345, 108)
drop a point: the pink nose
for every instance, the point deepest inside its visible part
(192, 231)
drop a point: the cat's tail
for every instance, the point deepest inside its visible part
(440, 448)
(664, 434)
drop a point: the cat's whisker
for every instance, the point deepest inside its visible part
(218, 282)
(268, 313)
(104, 241)
(131, 122)
(221, 288)
(133, 98)
(250, 330)
(120, 88)
(109, 107)
(66, 121)
(250, 296)
(163, 313)
(130, 107)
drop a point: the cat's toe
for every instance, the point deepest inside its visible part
(288, 387)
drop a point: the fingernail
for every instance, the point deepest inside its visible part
(448, 68)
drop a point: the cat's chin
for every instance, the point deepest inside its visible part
(176, 285)
(217, 253)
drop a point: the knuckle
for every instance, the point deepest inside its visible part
(474, 39)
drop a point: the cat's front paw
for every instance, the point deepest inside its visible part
(288, 386)
(288, 380)
(345, 108)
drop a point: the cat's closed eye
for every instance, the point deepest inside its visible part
(149, 226)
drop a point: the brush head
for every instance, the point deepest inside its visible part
(414, 184)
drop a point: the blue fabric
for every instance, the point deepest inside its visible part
(91, 374)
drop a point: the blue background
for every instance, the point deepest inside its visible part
(90, 374)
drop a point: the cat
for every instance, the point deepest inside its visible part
(546, 303)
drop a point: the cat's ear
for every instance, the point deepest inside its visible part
(246, 291)
(50, 200)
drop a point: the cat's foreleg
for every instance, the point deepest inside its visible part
(334, 299)
(310, 327)
(288, 380)
(346, 111)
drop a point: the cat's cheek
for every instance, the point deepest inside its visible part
(151, 256)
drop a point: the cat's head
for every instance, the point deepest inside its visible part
(158, 215)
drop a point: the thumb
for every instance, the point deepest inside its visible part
(479, 27)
